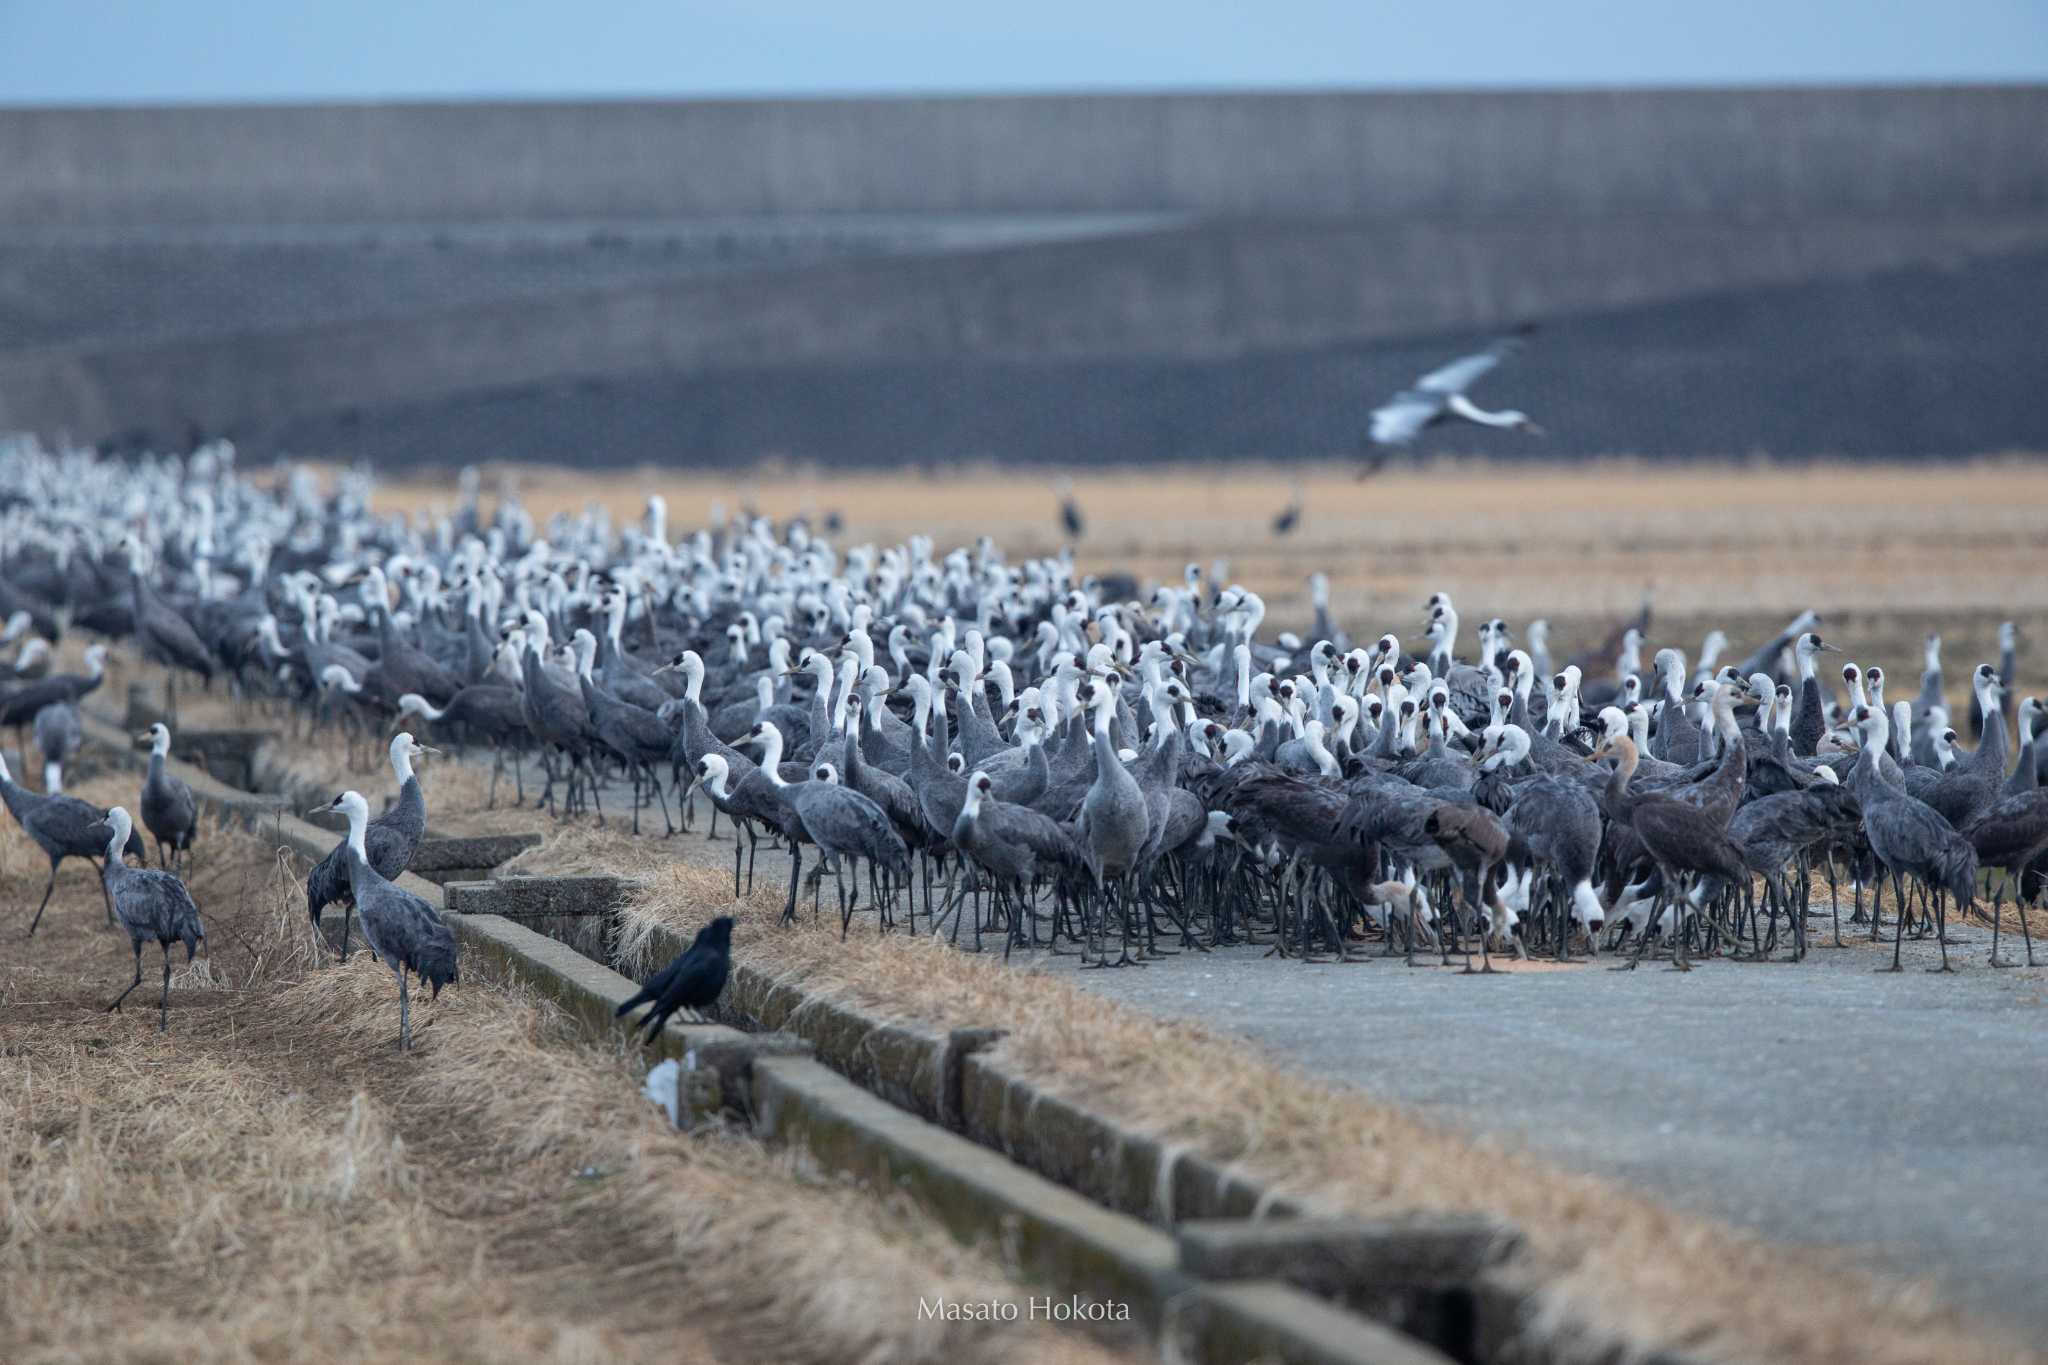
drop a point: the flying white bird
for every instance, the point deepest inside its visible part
(1439, 396)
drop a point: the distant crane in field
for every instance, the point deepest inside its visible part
(150, 904)
(1071, 520)
(1439, 396)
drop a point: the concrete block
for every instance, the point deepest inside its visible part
(908, 1065)
(1135, 1173)
(522, 897)
(1265, 1320)
(1330, 1255)
(1053, 1236)
(441, 852)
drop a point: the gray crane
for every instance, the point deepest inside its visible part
(1115, 821)
(390, 842)
(1676, 836)
(1964, 791)
(62, 827)
(19, 709)
(638, 736)
(1557, 821)
(1809, 715)
(840, 821)
(403, 931)
(166, 637)
(168, 811)
(491, 712)
(2009, 834)
(150, 904)
(1782, 827)
(1014, 845)
(1908, 837)
(556, 716)
(748, 798)
(58, 736)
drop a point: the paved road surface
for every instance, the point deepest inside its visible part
(1902, 1116)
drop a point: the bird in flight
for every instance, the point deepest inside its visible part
(1439, 396)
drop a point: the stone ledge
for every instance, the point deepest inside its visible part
(1329, 1255)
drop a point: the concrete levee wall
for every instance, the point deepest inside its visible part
(1450, 154)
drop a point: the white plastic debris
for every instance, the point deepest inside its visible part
(663, 1085)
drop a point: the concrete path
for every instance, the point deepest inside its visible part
(1903, 1117)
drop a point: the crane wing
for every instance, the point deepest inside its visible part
(1401, 419)
(1462, 373)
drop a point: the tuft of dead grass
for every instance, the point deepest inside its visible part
(1612, 1258)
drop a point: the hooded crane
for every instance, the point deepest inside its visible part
(844, 825)
(168, 811)
(403, 931)
(58, 735)
(1908, 837)
(389, 844)
(166, 637)
(62, 827)
(150, 904)
(1677, 836)
(19, 709)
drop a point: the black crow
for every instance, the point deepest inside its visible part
(694, 980)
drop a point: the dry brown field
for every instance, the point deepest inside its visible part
(271, 1180)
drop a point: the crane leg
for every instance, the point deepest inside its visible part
(1997, 912)
(52, 886)
(115, 1008)
(404, 1013)
(1899, 935)
(796, 866)
(163, 1006)
(662, 798)
(348, 910)
(1941, 928)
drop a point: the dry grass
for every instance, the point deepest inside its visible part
(272, 1181)
(1616, 1259)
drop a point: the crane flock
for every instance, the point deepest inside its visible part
(971, 741)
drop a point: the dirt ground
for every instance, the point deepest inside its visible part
(272, 1181)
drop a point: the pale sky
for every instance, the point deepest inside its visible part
(129, 51)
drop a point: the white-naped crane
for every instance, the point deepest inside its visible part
(1439, 397)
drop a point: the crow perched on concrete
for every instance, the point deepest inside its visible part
(694, 980)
